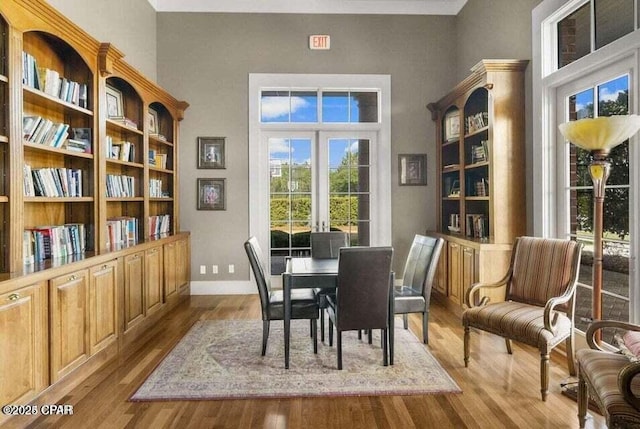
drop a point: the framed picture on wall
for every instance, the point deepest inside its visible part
(452, 126)
(412, 169)
(115, 108)
(212, 194)
(211, 152)
(153, 121)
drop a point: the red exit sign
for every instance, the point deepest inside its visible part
(320, 41)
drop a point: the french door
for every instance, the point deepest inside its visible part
(319, 181)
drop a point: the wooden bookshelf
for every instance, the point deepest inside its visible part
(482, 159)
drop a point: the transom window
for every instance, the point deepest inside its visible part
(314, 106)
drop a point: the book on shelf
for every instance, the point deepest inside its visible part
(161, 160)
(53, 241)
(152, 157)
(39, 130)
(125, 121)
(476, 122)
(476, 226)
(160, 224)
(480, 153)
(121, 230)
(52, 182)
(482, 187)
(50, 82)
(120, 186)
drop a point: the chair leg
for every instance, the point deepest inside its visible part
(359, 334)
(544, 374)
(425, 327)
(507, 341)
(570, 357)
(265, 336)
(330, 333)
(466, 346)
(370, 336)
(311, 328)
(339, 348)
(385, 341)
(583, 399)
(314, 334)
(405, 320)
(322, 325)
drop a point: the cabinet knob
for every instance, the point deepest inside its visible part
(104, 267)
(13, 297)
(73, 277)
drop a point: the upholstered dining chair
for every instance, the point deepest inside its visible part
(326, 245)
(414, 295)
(362, 297)
(304, 304)
(539, 301)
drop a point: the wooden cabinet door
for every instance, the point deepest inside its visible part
(68, 306)
(133, 289)
(469, 272)
(24, 360)
(170, 270)
(153, 279)
(183, 263)
(440, 281)
(455, 271)
(103, 295)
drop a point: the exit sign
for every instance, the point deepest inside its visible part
(320, 41)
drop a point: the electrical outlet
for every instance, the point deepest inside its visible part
(232, 268)
(203, 269)
(214, 269)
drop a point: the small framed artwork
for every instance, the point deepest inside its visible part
(211, 152)
(153, 121)
(114, 103)
(412, 169)
(452, 126)
(212, 194)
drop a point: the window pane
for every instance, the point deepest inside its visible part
(304, 106)
(364, 107)
(614, 19)
(613, 97)
(574, 35)
(581, 105)
(274, 106)
(583, 302)
(335, 107)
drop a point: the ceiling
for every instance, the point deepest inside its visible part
(386, 7)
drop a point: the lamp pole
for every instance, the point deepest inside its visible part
(599, 171)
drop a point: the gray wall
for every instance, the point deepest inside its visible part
(499, 29)
(130, 25)
(207, 63)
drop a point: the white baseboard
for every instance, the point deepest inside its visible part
(223, 288)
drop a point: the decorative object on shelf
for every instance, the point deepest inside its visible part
(454, 190)
(114, 103)
(153, 121)
(412, 169)
(211, 152)
(212, 194)
(599, 136)
(452, 126)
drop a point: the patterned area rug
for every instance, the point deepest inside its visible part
(221, 360)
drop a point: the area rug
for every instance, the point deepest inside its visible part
(221, 360)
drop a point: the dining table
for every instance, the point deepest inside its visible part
(307, 272)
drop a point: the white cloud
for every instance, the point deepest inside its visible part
(279, 146)
(605, 95)
(274, 107)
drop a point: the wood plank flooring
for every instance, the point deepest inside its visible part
(499, 390)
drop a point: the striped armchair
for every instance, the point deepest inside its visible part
(538, 308)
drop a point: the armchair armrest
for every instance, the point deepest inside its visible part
(601, 324)
(625, 377)
(474, 288)
(549, 324)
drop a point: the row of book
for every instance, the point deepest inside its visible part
(157, 159)
(476, 122)
(155, 189)
(120, 186)
(50, 82)
(160, 224)
(481, 188)
(52, 182)
(121, 231)
(476, 226)
(123, 151)
(37, 129)
(480, 153)
(50, 242)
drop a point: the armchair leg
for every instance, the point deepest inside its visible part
(385, 361)
(583, 399)
(544, 374)
(507, 341)
(339, 348)
(425, 327)
(265, 336)
(466, 346)
(405, 320)
(570, 357)
(314, 334)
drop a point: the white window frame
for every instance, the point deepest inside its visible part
(623, 53)
(259, 154)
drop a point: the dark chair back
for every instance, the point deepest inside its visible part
(422, 263)
(256, 259)
(363, 288)
(326, 245)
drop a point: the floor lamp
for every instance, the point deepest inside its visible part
(599, 136)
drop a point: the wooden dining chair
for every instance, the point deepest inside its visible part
(304, 304)
(362, 296)
(326, 245)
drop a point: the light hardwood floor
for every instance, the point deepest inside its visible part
(499, 391)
